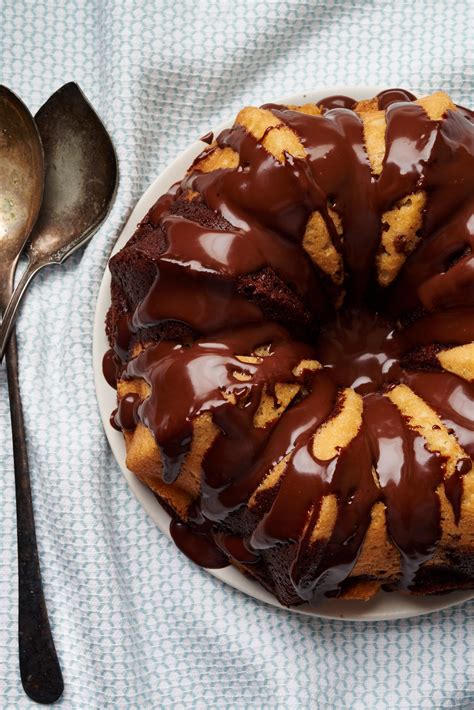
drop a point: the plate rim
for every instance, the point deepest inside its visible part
(385, 606)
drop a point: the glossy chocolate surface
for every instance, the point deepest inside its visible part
(207, 138)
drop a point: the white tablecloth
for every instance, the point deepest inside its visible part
(135, 623)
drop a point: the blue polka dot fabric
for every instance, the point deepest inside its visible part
(136, 624)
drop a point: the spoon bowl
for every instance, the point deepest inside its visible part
(80, 183)
(81, 176)
(21, 184)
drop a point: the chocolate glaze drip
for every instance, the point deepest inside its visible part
(111, 366)
(234, 548)
(207, 138)
(262, 208)
(454, 326)
(198, 545)
(454, 486)
(287, 518)
(113, 422)
(127, 412)
(339, 167)
(331, 102)
(408, 475)
(453, 400)
(391, 96)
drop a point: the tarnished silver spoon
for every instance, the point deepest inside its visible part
(21, 190)
(81, 179)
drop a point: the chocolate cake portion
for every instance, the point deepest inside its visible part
(277, 302)
(134, 268)
(196, 211)
(456, 572)
(424, 358)
(137, 267)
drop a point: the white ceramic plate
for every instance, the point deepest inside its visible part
(384, 606)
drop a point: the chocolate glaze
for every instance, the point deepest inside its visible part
(234, 548)
(362, 350)
(331, 102)
(262, 208)
(391, 96)
(207, 138)
(199, 546)
(113, 422)
(127, 412)
(111, 366)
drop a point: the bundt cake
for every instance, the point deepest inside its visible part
(292, 342)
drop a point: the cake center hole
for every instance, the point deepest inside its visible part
(361, 350)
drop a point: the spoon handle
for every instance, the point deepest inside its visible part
(40, 671)
(15, 300)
